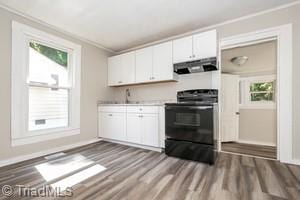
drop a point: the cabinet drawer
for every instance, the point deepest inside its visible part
(113, 109)
(142, 109)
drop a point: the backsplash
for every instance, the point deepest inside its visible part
(165, 91)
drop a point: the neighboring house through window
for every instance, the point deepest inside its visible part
(46, 86)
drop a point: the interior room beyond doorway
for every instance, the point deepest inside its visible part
(248, 92)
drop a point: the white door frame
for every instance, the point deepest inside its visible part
(283, 35)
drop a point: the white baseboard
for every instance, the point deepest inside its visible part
(257, 143)
(45, 152)
(294, 162)
(134, 145)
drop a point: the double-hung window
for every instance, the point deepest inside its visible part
(262, 91)
(45, 86)
(258, 92)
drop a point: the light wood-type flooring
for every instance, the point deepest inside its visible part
(118, 172)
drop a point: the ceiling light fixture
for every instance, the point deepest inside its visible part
(239, 60)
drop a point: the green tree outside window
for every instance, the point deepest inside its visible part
(263, 91)
(57, 56)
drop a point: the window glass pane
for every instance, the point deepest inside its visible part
(47, 65)
(262, 96)
(261, 87)
(48, 108)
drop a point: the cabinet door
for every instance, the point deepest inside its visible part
(134, 128)
(182, 49)
(114, 72)
(205, 45)
(163, 62)
(113, 126)
(144, 64)
(128, 68)
(150, 130)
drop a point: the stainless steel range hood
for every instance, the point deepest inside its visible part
(196, 66)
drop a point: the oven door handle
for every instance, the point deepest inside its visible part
(189, 107)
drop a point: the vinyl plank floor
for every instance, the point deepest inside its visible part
(128, 173)
(250, 149)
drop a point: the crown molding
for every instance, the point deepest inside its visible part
(212, 26)
(41, 22)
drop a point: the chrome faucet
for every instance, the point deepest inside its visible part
(127, 95)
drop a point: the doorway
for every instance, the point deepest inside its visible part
(283, 35)
(248, 95)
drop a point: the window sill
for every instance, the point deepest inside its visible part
(44, 137)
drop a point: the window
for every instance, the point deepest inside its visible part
(262, 91)
(46, 86)
(258, 92)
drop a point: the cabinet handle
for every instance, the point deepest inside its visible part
(194, 56)
(142, 116)
(153, 78)
(110, 115)
(120, 82)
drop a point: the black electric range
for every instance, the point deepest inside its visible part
(191, 125)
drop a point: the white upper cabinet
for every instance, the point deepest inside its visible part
(182, 49)
(202, 45)
(121, 69)
(144, 65)
(114, 70)
(205, 45)
(128, 68)
(155, 63)
(163, 62)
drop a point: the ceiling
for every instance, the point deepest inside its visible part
(262, 59)
(123, 24)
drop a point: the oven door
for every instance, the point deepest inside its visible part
(190, 123)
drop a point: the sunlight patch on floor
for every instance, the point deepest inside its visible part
(57, 168)
(78, 177)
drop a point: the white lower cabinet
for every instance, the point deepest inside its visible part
(133, 131)
(112, 125)
(143, 129)
(138, 125)
(149, 129)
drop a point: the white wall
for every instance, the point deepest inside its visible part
(258, 126)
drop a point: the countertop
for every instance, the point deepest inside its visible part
(135, 103)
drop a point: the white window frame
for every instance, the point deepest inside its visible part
(245, 94)
(21, 35)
